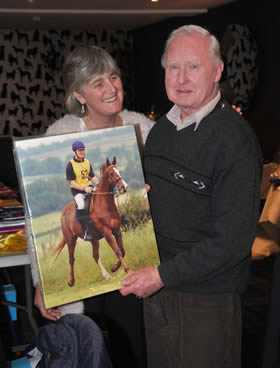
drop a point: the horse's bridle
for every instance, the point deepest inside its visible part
(113, 182)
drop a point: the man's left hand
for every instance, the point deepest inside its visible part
(142, 283)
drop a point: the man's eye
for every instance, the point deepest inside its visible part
(173, 67)
(114, 77)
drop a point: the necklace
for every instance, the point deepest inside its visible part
(91, 125)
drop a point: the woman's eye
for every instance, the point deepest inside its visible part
(99, 84)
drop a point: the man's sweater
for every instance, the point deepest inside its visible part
(204, 200)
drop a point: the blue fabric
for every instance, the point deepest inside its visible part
(73, 341)
(20, 363)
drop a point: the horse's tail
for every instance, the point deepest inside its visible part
(58, 249)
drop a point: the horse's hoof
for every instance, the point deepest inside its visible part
(71, 283)
(115, 267)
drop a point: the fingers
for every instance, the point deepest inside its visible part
(51, 313)
(143, 282)
(148, 187)
(237, 109)
(124, 291)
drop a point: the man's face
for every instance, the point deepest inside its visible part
(191, 76)
(103, 95)
(80, 154)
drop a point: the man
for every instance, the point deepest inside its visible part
(79, 174)
(203, 164)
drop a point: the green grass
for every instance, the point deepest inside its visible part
(139, 244)
(140, 250)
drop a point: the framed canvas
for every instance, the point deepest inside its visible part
(71, 268)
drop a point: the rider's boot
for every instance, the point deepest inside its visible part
(83, 219)
(87, 234)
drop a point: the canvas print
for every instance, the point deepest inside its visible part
(87, 211)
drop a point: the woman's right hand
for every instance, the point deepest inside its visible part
(50, 313)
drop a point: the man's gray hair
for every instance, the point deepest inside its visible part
(214, 46)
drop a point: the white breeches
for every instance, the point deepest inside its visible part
(80, 200)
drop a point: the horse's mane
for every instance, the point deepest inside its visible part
(102, 169)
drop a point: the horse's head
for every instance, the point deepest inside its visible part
(114, 178)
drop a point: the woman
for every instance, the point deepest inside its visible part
(94, 99)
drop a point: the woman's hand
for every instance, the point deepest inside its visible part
(50, 313)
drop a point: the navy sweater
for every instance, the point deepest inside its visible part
(204, 200)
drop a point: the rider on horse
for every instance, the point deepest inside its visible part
(79, 174)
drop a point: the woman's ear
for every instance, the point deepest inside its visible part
(79, 97)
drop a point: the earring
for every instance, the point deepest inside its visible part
(83, 109)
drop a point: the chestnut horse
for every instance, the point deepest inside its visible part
(105, 218)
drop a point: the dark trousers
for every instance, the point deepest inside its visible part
(122, 318)
(271, 354)
(193, 330)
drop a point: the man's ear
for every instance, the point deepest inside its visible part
(219, 72)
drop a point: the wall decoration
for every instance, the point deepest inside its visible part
(240, 78)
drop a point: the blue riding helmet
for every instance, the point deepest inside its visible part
(77, 145)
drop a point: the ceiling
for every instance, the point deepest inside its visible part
(94, 14)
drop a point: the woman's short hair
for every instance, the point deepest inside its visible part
(188, 29)
(80, 66)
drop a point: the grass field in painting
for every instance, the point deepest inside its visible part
(139, 243)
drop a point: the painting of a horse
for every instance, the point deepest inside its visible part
(105, 221)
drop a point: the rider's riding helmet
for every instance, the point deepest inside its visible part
(78, 145)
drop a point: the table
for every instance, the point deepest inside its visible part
(22, 260)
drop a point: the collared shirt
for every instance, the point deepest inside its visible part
(174, 115)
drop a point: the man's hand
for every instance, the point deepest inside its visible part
(143, 283)
(50, 313)
(88, 189)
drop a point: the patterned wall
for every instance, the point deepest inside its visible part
(31, 86)
(241, 72)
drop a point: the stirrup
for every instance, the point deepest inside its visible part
(87, 235)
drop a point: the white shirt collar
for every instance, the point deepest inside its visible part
(174, 115)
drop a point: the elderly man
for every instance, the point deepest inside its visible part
(203, 163)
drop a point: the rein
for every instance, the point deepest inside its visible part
(95, 193)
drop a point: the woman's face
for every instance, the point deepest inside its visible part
(103, 95)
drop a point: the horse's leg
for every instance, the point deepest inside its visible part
(71, 250)
(118, 252)
(95, 254)
(119, 241)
